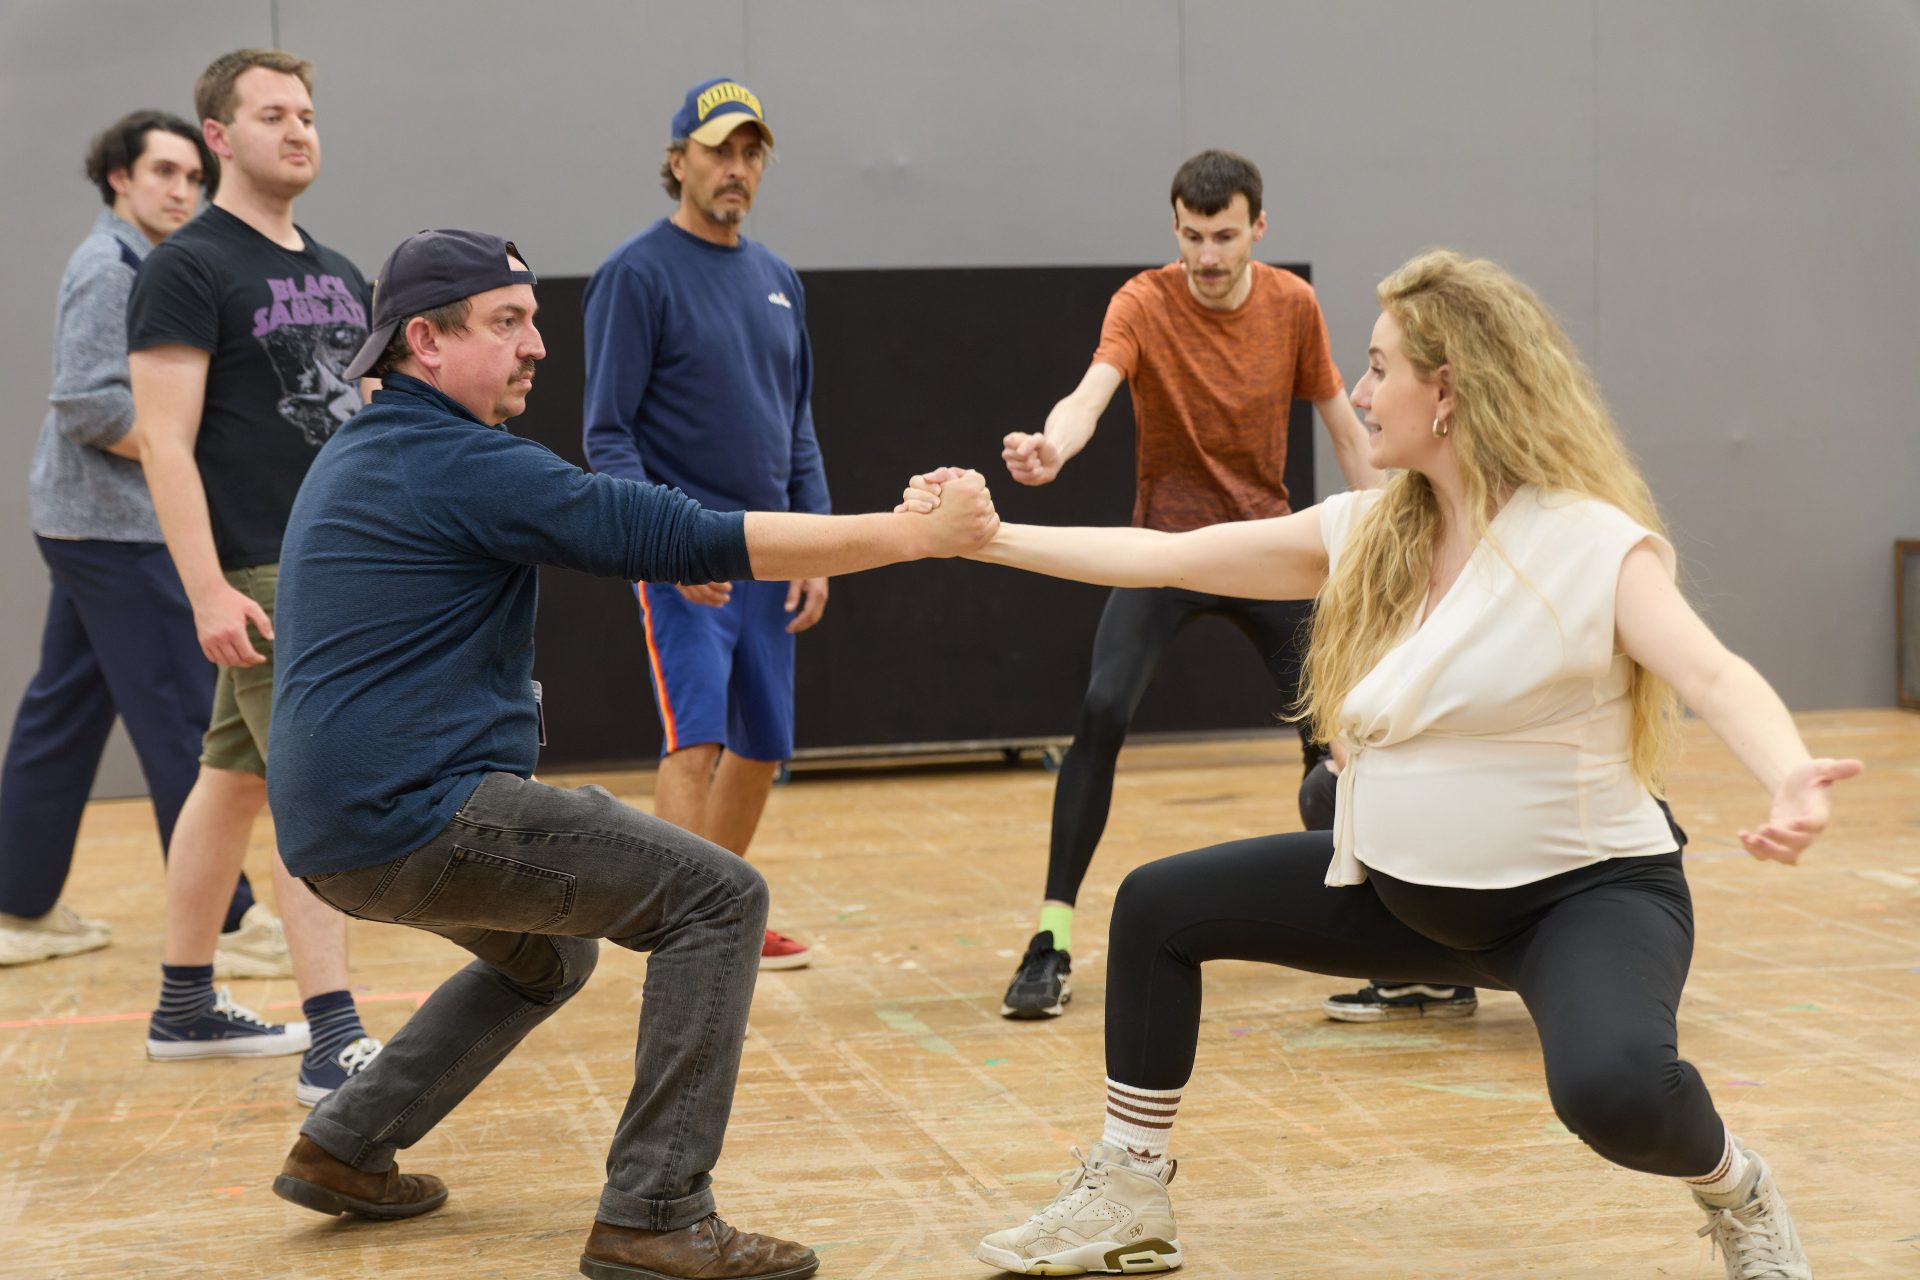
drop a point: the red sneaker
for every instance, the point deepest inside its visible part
(782, 952)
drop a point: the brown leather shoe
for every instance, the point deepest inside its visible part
(707, 1250)
(313, 1179)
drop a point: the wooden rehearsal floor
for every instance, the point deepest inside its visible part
(889, 1117)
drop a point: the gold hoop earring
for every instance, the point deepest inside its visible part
(1438, 432)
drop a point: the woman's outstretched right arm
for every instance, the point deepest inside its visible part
(1283, 558)
(1279, 559)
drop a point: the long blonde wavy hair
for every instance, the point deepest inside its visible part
(1525, 411)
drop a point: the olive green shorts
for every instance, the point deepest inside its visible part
(243, 696)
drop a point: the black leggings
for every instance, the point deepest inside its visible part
(1317, 792)
(1599, 955)
(1135, 629)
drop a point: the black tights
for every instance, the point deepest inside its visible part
(1599, 955)
(1135, 629)
(1317, 792)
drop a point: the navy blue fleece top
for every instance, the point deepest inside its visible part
(700, 374)
(404, 619)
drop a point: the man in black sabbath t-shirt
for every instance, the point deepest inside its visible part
(240, 335)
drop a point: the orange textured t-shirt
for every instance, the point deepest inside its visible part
(1212, 391)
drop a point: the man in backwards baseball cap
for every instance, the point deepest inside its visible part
(407, 729)
(429, 271)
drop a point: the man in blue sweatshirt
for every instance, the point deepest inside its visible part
(405, 732)
(700, 376)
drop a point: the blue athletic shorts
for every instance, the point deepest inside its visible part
(721, 675)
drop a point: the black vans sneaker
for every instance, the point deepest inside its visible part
(1387, 1001)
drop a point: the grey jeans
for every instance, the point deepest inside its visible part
(527, 877)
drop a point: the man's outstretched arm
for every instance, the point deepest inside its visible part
(517, 501)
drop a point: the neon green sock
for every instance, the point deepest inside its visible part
(1060, 921)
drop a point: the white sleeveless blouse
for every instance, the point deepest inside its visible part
(1489, 747)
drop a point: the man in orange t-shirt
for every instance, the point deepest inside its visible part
(1216, 348)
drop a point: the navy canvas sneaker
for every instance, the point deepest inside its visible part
(225, 1031)
(316, 1082)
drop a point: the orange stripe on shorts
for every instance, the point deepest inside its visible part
(659, 676)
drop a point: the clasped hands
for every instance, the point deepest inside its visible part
(956, 500)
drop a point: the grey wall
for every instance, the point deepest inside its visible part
(1720, 197)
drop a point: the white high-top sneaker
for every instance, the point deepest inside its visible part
(256, 949)
(1752, 1229)
(1108, 1217)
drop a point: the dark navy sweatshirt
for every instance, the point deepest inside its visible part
(700, 374)
(404, 619)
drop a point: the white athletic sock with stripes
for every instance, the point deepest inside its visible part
(1139, 1122)
(1726, 1176)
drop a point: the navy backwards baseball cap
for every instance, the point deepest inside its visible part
(715, 108)
(431, 269)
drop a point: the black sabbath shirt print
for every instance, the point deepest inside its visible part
(310, 332)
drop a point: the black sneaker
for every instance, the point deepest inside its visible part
(1386, 1001)
(1040, 989)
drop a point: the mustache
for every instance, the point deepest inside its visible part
(525, 370)
(738, 188)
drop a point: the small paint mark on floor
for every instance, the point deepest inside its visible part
(901, 1020)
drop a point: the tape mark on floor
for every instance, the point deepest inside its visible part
(416, 998)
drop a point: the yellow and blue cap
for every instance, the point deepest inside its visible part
(715, 108)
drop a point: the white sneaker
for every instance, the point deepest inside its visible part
(257, 949)
(61, 932)
(1108, 1217)
(1752, 1229)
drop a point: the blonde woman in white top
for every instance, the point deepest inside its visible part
(1498, 644)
